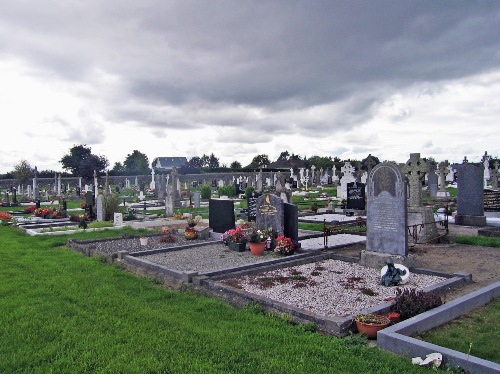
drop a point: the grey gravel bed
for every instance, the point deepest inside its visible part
(208, 258)
(329, 288)
(133, 245)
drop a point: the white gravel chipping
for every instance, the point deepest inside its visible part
(333, 240)
(329, 218)
(335, 288)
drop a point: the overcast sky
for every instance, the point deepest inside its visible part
(242, 78)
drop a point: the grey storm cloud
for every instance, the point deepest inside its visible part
(278, 55)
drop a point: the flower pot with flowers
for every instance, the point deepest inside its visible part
(369, 324)
(257, 240)
(285, 246)
(235, 239)
(5, 218)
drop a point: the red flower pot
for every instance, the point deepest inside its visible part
(257, 249)
(371, 329)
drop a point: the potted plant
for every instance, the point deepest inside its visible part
(285, 246)
(257, 240)
(236, 239)
(369, 324)
(192, 222)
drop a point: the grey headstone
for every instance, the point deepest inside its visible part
(270, 213)
(197, 197)
(100, 208)
(386, 211)
(470, 195)
(432, 184)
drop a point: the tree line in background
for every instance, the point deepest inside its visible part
(79, 161)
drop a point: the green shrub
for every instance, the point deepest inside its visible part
(249, 190)
(112, 205)
(411, 302)
(229, 190)
(206, 191)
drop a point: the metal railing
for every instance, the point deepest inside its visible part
(343, 228)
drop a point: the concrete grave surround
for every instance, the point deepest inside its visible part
(270, 213)
(470, 196)
(386, 217)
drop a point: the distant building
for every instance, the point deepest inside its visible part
(165, 164)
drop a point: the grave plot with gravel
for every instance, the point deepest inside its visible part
(329, 288)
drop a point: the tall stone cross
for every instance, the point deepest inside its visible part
(415, 168)
(370, 163)
(443, 166)
(494, 175)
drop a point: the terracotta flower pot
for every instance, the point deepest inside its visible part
(257, 249)
(395, 317)
(371, 329)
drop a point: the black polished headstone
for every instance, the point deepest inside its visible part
(291, 221)
(252, 206)
(356, 196)
(221, 215)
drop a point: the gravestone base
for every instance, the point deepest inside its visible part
(378, 260)
(443, 195)
(419, 215)
(469, 220)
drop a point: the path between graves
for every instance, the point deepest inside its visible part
(481, 262)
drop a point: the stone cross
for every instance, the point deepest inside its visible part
(95, 183)
(415, 168)
(369, 163)
(494, 175)
(106, 184)
(443, 167)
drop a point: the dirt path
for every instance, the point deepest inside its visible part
(482, 262)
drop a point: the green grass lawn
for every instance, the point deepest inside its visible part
(63, 312)
(483, 241)
(478, 331)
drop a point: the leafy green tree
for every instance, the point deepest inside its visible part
(213, 162)
(118, 169)
(320, 162)
(261, 160)
(23, 172)
(235, 165)
(137, 163)
(284, 156)
(81, 162)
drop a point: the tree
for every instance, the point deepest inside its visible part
(81, 162)
(118, 169)
(235, 165)
(137, 163)
(260, 160)
(283, 156)
(320, 162)
(213, 162)
(23, 172)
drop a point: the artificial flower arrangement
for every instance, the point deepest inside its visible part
(286, 246)
(236, 235)
(257, 236)
(193, 221)
(5, 217)
(48, 213)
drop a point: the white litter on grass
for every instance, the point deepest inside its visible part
(435, 358)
